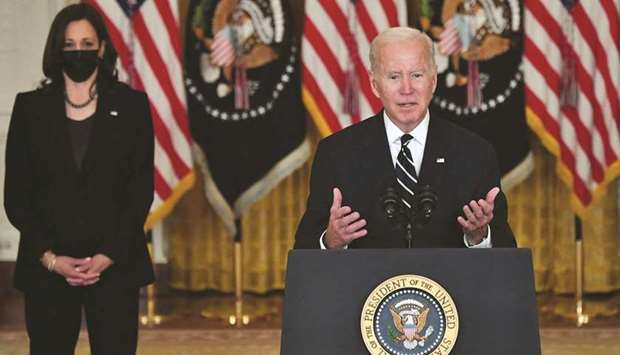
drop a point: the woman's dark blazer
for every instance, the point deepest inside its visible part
(98, 209)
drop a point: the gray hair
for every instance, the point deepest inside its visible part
(399, 34)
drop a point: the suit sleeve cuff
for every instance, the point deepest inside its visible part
(485, 243)
(323, 247)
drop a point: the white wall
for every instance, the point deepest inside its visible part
(23, 31)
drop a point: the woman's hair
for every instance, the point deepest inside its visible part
(52, 56)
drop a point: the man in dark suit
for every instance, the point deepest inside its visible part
(354, 167)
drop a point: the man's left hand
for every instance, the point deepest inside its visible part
(478, 216)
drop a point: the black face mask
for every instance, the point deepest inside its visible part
(80, 65)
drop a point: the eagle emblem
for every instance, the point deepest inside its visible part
(409, 315)
(409, 318)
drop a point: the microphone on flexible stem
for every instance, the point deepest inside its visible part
(390, 202)
(395, 213)
(426, 201)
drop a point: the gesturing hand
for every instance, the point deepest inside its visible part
(344, 225)
(478, 215)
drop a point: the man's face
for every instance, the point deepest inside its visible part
(404, 80)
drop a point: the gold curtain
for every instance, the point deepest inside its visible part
(200, 251)
(542, 220)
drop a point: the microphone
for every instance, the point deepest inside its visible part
(395, 212)
(390, 202)
(426, 201)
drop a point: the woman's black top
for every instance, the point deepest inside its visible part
(79, 133)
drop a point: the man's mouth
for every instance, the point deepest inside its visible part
(406, 104)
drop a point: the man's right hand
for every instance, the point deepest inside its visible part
(344, 225)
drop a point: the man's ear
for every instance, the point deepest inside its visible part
(373, 83)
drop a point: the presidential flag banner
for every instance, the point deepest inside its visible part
(246, 115)
(479, 46)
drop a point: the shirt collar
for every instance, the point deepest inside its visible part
(394, 133)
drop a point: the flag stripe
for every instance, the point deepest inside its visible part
(613, 14)
(157, 27)
(324, 106)
(147, 81)
(367, 23)
(565, 153)
(330, 91)
(585, 137)
(584, 80)
(167, 15)
(601, 56)
(149, 48)
(552, 79)
(156, 62)
(161, 186)
(390, 12)
(339, 18)
(341, 43)
(328, 58)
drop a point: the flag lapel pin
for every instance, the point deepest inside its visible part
(114, 113)
(440, 160)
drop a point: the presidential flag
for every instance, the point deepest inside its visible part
(246, 115)
(479, 46)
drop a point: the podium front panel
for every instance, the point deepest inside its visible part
(493, 290)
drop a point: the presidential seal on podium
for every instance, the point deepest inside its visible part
(409, 315)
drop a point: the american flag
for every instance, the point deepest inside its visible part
(582, 135)
(222, 48)
(146, 35)
(335, 45)
(449, 40)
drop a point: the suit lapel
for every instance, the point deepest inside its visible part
(99, 142)
(374, 155)
(435, 156)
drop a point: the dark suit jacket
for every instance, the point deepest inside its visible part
(357, 160)
(100, 209)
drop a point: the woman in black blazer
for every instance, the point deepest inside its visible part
(78, 187)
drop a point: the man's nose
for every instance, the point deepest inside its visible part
(406, 86)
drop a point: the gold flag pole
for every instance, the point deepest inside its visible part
(242, 313)
(151, 318)
(581, 317)
(574, 309)
(239, 319)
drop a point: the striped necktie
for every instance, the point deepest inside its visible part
(406, 176)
